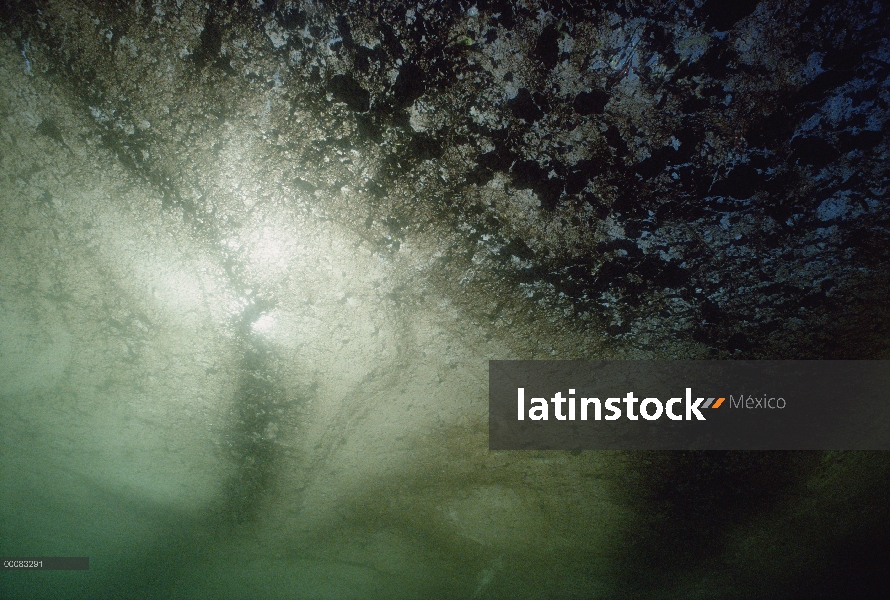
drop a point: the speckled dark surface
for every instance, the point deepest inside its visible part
(711, 175)
(701, 179)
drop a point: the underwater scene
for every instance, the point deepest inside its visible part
(256, 256)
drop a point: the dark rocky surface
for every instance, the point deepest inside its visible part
(475, 180)
(709, 177)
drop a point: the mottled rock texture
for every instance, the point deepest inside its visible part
(707, 180)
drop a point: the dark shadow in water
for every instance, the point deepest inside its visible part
(252, 449)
